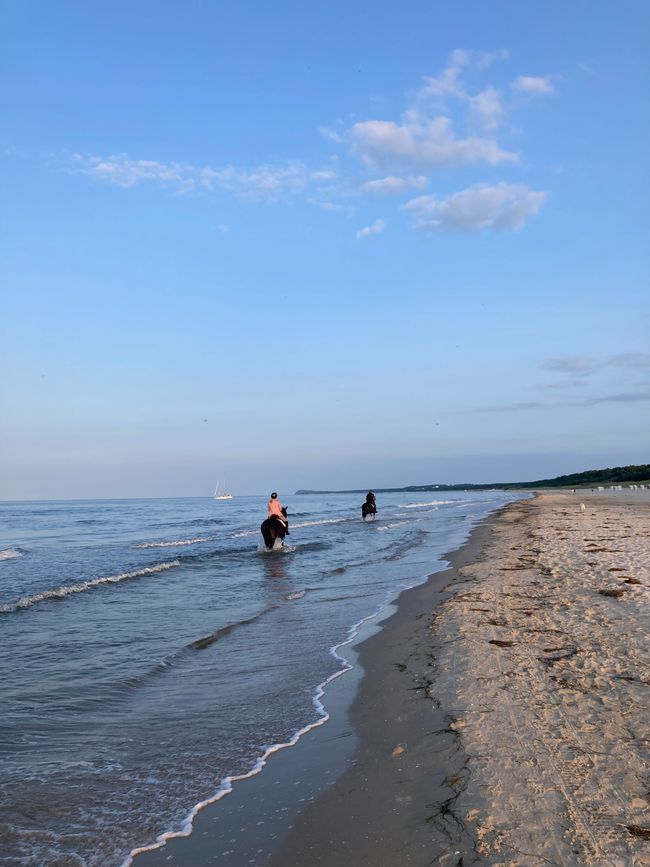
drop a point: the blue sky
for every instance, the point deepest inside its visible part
(309, 245)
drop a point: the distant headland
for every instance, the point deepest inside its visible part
(607, 476)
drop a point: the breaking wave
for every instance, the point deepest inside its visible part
(431, 503)
(81, 586)
(11, 553)
(244, 533)
(318, 523)
(177, 543)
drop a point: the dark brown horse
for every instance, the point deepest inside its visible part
(370, 506)
(273, 529)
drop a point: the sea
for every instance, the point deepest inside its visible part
(153, 651)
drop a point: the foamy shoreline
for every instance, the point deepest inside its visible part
(226, 787)
(510, 726)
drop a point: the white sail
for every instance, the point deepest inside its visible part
(220, 492)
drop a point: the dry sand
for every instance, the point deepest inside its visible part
(544, 663)
(510, 726)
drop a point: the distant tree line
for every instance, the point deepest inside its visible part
(610, 475)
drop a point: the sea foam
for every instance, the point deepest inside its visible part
(177, 543)
(11, 553)
(292, 526)
(431, 503)
(81, 586)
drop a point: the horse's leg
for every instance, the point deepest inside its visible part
(267, 535)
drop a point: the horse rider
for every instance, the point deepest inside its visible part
(371, 499)
(274, 509)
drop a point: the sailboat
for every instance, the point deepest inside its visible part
(220, 492)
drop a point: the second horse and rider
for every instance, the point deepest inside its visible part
(276, 525)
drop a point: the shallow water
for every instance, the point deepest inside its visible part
(150, 649)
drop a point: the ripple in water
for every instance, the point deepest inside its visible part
(129, 705)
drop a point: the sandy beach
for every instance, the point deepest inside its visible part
(543, 660)
(509, 726)
(498, 716)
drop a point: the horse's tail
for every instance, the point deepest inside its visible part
(266, 533)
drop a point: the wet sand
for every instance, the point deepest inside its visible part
(502, 716)
(532, 674)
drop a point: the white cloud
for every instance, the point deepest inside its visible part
(334, 207)
(447, 123)
(375, 229)
(534, 84)
(425, 135)
(392, 185)
(331, 134)
(326, 175)
(125, 172)
(478, 208)
(486, 110)
(431, 143)
(448, 83)
(265, 182)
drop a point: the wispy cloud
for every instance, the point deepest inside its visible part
(375, 229)
(581, 371)
(514, 407)
(625, 397)
(331, 134)
(392, 185)
(448, 83)
(578, 366)
(534, 84)
(334, 207)
(641, 396)
(265, 182)
(478, 208)
(125, 172)
(582, 367)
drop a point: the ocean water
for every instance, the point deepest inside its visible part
(150, 650)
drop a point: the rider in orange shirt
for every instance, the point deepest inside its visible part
(274, 508)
